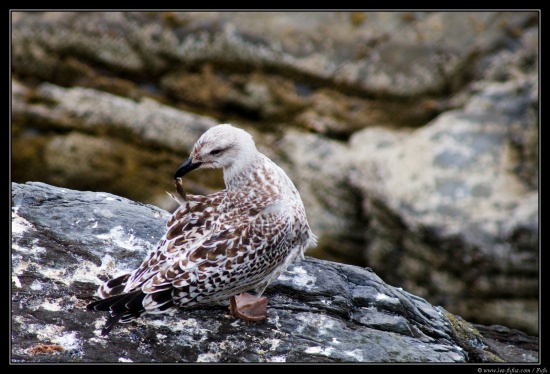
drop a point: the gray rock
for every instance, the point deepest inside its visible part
(66, 242)
(87, 110)
(350, 48)
(334, 72)
(96, 133)
(455, 179)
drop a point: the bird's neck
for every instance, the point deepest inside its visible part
(239, 175)
(257, 182)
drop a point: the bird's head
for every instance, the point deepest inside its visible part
(222, 146)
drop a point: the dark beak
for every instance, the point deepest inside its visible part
(186, 167)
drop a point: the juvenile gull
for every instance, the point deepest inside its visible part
(219, 246)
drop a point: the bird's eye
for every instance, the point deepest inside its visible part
(215, 151)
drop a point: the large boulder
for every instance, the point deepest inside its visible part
(452, 216)
(66, 242)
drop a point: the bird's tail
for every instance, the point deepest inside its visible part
(124, 308)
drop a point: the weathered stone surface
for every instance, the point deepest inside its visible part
(334, 72)
(512, 345)
(65, 242)
(427, 53)
(458, 182)
(112, 101)
(88, 110)
(96, 133)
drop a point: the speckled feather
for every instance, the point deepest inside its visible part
(216, 246)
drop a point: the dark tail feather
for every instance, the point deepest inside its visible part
(111, 322)
(126, 305)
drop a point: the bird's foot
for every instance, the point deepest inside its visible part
(248, 307)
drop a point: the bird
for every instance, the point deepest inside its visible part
(225, 246)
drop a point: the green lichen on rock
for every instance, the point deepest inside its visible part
(471, 340)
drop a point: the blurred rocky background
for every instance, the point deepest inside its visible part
(413, 137)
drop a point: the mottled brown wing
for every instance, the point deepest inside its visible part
(188, 224)
(230, 261)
